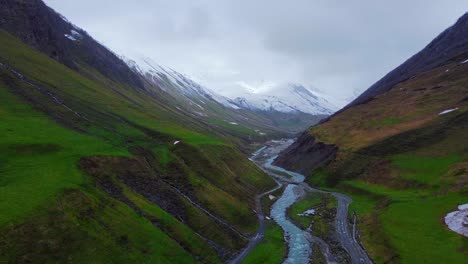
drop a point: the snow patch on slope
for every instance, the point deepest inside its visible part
(448, 111)
(74, 35)
(457, 221)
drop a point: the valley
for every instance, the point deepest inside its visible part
(301, 240)
(110, 159)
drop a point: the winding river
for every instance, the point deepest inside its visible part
(299, 241)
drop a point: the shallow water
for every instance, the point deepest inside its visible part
(299, 246)
(296, 177)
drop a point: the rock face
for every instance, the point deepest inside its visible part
(306, 154)
(451, 43)
(47, 31)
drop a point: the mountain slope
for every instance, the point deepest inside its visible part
(89, 164)
(287, 98)
(42, 28)
(242, 121)
(400, 152)
(446, 48)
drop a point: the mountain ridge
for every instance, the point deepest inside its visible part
(399, 151)
(448, 45)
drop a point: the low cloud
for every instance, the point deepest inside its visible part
(340, 47)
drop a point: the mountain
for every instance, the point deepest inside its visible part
(400, 152)
(280, 113)
(445, 48)
(287, 98)
(49, 32)
(97, 164)
(176, 83)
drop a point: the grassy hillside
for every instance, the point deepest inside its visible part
(89, 171)
(405, 166)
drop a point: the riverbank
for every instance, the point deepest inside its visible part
(302, 242)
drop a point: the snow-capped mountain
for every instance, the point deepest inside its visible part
(264, 96)
(286, 98)
(175, 83)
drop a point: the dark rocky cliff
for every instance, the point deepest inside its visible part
(306, 154)
(45, 30)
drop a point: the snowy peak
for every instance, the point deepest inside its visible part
(261, 96)
(286, 98)
(173, 82)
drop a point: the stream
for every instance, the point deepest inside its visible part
(300, 241)
(299, 245)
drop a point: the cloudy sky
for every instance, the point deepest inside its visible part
(339, 47)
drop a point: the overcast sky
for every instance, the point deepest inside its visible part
(340, 47)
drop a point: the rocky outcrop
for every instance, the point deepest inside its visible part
(306, 154)
(47, 31)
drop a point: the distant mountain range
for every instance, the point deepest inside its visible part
(287, 98)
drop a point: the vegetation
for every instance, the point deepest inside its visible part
(271, 249)
(77, 154)
(323, 219)
(404, 173)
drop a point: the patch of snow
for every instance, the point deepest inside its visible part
(457, 221)
(307, 212)
(267, 218)
(176, 142)
(447, 70)
(465, 61)
(448, 111)
(74, 35)
(271, 197)
(233, 123)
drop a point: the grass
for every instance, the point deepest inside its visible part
(407, 221)
(38, 157)
(177, 230)
(42, 143)
(311, 201)
(390, 121)
(105, 231)
(272, 248)
(78, 91)
(233, 127)
(404, 167)
(417, 233)
(424, 169)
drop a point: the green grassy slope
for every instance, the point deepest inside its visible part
(405, 166)
(271, 249)
(64, 121)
